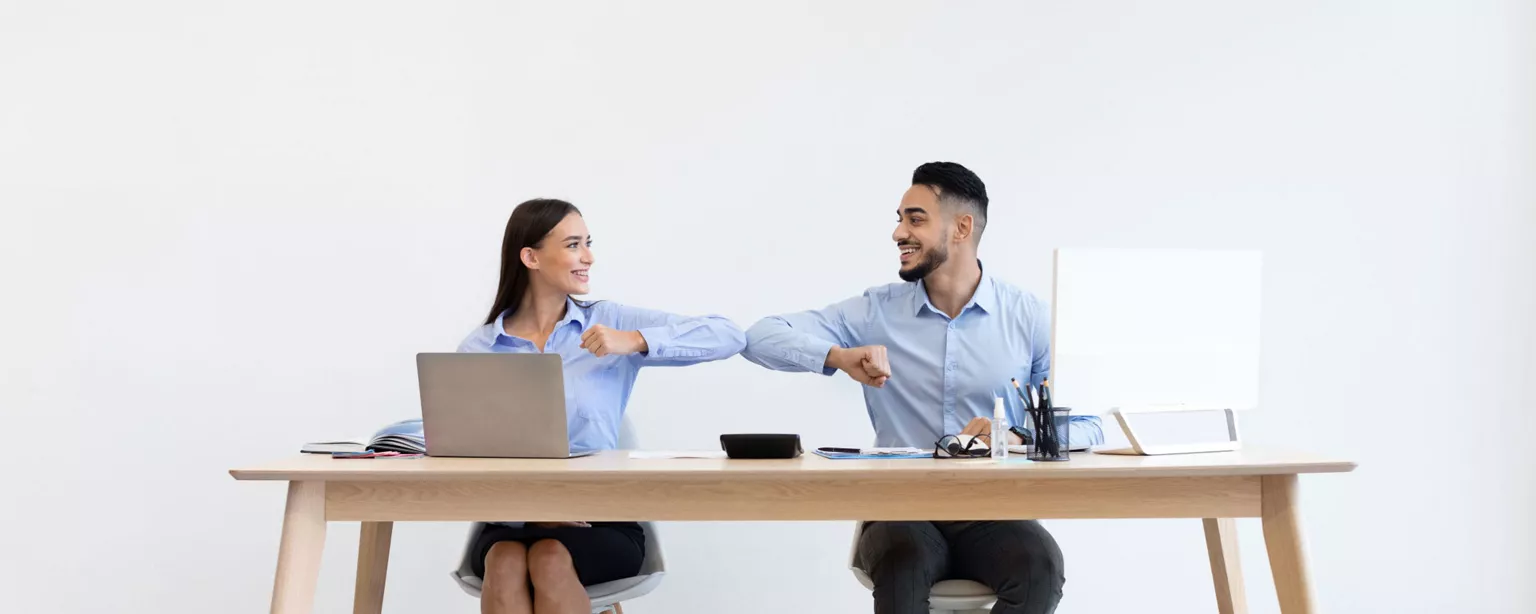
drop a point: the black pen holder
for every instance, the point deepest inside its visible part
(1052, 429)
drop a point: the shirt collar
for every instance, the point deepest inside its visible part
(985, 296)
(573, 313)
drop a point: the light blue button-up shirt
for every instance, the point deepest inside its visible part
(944, 371)
(597, 389)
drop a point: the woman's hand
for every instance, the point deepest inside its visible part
(554, 525)
(603, 341)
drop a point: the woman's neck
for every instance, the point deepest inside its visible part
(537, 314)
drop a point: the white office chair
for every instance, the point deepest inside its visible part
(946, 597)
(606, 596)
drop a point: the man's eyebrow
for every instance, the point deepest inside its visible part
(911, 210)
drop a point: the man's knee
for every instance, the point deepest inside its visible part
(548, 560)
(898, 546)
(506, 561)
(894, 540)
(1034, 555)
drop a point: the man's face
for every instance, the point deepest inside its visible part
(922, 233)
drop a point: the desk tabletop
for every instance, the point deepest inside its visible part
(617, 464)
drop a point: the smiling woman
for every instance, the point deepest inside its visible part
(523, 249)
(546, 259)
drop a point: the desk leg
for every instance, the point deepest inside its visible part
(298, 556)
(372, 564)
(1226, 568)
(1282, 536)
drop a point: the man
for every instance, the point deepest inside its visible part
(933, 352)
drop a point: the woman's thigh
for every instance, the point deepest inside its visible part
(601, 553)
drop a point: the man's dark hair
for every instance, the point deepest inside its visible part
(956, 185)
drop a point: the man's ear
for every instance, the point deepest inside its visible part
(965, 224)
(529, 257)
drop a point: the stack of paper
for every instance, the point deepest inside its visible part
(875, 453)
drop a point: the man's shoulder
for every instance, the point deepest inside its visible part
(1009, 294)
(890, 292)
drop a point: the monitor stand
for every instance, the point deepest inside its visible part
(1123, 415)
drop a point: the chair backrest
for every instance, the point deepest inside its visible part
(627, 440)
(654, 561)
(853, 552)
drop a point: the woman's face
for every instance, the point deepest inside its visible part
(563, 258)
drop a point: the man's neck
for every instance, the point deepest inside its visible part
(951, 286)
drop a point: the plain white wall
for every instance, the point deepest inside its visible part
(228, 226)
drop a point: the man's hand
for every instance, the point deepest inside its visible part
(982, 427)
(866, 365)
(603, 341)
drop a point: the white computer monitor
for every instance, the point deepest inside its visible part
(1136, 328)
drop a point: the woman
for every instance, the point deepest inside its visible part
(545, 257)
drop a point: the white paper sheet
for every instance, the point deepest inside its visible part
(650, 454)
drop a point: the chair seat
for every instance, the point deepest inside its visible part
(945, 596)
(609, 593)
(602, 595)
(948, 594)
(961, 589)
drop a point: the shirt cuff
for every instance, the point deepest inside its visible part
(658, 339)
(812, 356)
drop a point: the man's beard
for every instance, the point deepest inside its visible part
(931, 260)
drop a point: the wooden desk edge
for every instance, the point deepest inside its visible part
(361, 473)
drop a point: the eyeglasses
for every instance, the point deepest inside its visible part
(951, 446)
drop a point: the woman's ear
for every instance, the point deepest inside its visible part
(529, 257)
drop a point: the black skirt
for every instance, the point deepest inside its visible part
(603, 552)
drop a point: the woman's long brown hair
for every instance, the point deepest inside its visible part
(529, 223)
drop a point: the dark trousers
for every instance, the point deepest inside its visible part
(1017, 559)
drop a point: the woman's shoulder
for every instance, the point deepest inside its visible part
(620, 315)
(480, 339)
(603, 311)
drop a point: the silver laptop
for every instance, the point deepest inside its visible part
(493, 405)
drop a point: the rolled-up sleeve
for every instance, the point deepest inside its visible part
(800, 341)
(675, 340)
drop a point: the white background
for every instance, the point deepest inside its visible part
(228, 226)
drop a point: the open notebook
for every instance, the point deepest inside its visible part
(405, 437)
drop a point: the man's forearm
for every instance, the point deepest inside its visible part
(774, 344)
(834, 360)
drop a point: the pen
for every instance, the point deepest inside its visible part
(1030, 415)
(1029, 405)
(1053, 440)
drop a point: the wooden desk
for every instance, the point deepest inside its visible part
(1217, 487)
